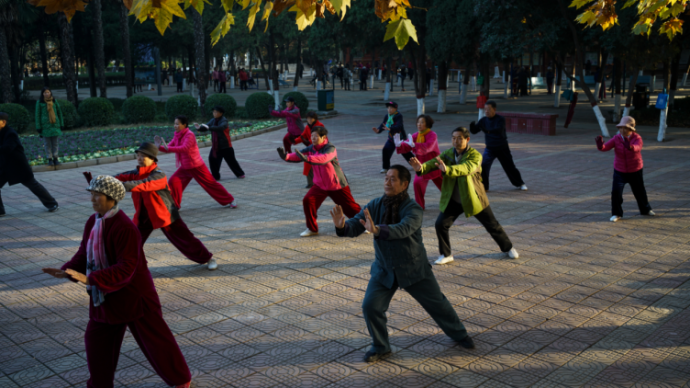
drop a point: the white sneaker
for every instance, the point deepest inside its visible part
(651, 213)
(383, 171)
(211, 265)
(366, 231)
(615, 218)
(513, 253)
(523, 187)
(233, 205)
(444, 260)
(308, 233)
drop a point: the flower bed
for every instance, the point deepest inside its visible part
(76, 146)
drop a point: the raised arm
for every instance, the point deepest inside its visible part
(154, 182)
(608, 146)
(468, 167)
(294, 113)
(187, 143)
(322, 158)
(353, 226)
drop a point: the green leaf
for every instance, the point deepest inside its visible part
(402, 30)
(222, 28)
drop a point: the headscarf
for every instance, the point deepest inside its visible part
(51, 112)
(392, 204)
(421, 134)
(95, 254)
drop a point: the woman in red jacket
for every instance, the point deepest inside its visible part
(627, 167)
(111, 263)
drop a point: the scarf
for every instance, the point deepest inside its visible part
(95, 254)
(392, 204)
(421, 134)
(389, 122)
(51, 111)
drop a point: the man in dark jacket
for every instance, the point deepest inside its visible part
(14, 168)
(393, 123)
(222, 144)
(494, 128)
(395, 220)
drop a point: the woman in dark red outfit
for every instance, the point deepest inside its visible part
(111, 263)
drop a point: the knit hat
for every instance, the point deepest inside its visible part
(108, 185)
(149, 150)
(627, 122)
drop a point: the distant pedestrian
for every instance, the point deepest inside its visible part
(179, 79)
(244, 77)
(363, 74)
(549, 80)
(49, 121)
(221, 82)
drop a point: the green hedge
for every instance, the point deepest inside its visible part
(97, 111)
(182, 104)
(19, 116)
(69, 114)
(300, 100)
(139, 109)
(257, 105)
(227, 102)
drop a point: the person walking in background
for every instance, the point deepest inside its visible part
(243, 76)
(348, 77)
(49, 121)
(221, 148)
(340, 75)
(549, 80)
(112, 264)
(400, 262)
(494, 128)
(401, 77)
(627, 167)
(214, 76)
(179, 79)
(190, 165)
(295, 126)
(221, 82)
(424, 146)
(363, 73)
(393, 124)
(462, 192)
(15, 169)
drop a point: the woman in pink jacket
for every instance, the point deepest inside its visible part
(190, 165)
(424, 146)
(627, 167)
(295, 126)
(329, 179)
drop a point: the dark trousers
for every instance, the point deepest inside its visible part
(506, 159)
(243, 85)
(222, 88)
(228, 155)
(103, 342)
(179, 86)
(362, 84)
(486, 217)
(39, 191)
(180, 237)
(387, 154)
(636, 184)
(427, 292)
(549, 85)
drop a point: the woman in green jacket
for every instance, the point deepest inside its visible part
(49, 121)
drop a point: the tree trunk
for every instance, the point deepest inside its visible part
(263, 68)
(92, 73)
(273, 68)
(68, 62)
(15, 73)
(126, 53)
(599, 82)
(43, 51)
(442, 86)
(419, 58)
(295, 84)
(99, 53)
(560, 61)
(631, 89)
(674, 79)
(617, 76)
(5, 74)
(199, 53)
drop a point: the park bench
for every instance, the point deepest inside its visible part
(530, 123)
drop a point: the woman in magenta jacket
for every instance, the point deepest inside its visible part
(424, 146)
(627, 167)
(295, 126)
(190, 165)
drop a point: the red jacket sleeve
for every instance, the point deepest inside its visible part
(154, 182)
(186, 144)
(115, 277)
(609, 145)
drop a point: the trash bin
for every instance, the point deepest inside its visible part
(326, 100)
(641, 97)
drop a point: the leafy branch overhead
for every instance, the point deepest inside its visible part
(603, 13)
(305, 13)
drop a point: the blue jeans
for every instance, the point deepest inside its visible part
(506, 159)
(636, 184)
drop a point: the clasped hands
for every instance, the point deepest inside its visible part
(417, 165)
(67, 274)
(368, 223)
(398, 142)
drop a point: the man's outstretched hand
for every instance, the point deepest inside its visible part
(281, 153)
(88, 176)
(369, 223)
(414, 162)
(338, 217)
(439, 163)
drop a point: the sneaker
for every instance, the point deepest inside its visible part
(444, 260)
(372, 356)
(651, 213)
(523, 187)
(366, 231)
(240, 177)
(513, 253)
(212, 264)
(53, 209)
(467, 343)
(308, 233)
(383, 171)
(615, 218)
(232, 205)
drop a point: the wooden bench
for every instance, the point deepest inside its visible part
(530, 123)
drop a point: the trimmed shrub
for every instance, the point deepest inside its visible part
(139, 109)
(19, 116)
(69, 114)
(97, 112)
(257, 105)
(300, 100)
(241, 113)
(227, 102)
(117, 103)
(182, 104)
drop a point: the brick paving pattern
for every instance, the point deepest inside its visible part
(589, 303)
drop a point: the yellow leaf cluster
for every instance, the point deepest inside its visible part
(160, 11)
(392, 9)
(601, 13)
(402, 30)
(68, 7)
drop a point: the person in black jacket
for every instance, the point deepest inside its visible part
(494, 128)
(222, 145)
(14, 167)
(393, 123)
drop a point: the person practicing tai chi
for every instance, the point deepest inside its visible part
(329, 179)
(393, 123)
(111, 263)
(627, 167)
(424, 146)
(312, 121)
(221, 147)
(494, 128)
(155, 208)
(400, 262)
(462, 192)
(295, 126)
(190, 165)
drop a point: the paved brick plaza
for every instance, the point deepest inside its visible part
(589, 302)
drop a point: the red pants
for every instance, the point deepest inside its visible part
(420, 188)
(315, 197)
(289, 140)
(181, 178)
(156, 341)
(180, 237)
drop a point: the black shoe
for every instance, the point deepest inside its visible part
(50, 162)
(53, 209)
(2, 213)
(56, 161)
(467, 343)
(372, 356)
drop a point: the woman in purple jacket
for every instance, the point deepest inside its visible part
(627, 167)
